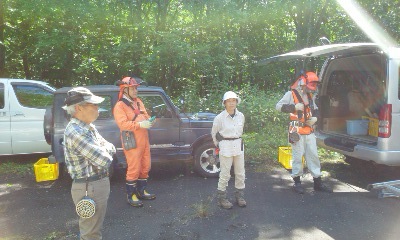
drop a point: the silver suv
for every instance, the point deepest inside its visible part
(175, 137)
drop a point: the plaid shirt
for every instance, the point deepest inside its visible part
(83, 145)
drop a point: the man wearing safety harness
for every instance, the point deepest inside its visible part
(299, 103)
(226, 132)
(88, 157)
(133, 121)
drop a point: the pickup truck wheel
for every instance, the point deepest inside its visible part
(206, 162)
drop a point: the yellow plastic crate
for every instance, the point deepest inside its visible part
(285, 157)
(45, 171)
(373, 126)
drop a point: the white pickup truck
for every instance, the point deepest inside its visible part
(22, 107)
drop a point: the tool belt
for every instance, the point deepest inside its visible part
(231, 139)
(219, 138)
(91, 178)
(297, 124)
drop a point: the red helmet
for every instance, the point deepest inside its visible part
(124, 83)
(129, 81)
(310, 79)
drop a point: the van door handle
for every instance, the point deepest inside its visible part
(19, 114)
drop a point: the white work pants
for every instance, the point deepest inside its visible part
(225, 174)
(306, 146)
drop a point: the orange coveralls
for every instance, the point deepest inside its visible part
(137, 159)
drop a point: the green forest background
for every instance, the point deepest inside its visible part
(196, 49)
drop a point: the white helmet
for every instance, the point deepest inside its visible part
(229, 95)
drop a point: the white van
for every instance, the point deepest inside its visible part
(22, 107)
(358, 100)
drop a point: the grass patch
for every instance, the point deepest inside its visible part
(18, 165)
(203, 208)
(15, 168)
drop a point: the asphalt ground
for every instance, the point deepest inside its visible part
(186, 208)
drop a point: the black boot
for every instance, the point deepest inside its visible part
(297, 185)
(131, 194)
(319, 186)
(142, 193)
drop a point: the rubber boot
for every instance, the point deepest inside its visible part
(142, 193)
(223, 201)
(319, 186)
(297, 185)
(239, 194)
(131, 194)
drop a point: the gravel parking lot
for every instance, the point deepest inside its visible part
(185, 208)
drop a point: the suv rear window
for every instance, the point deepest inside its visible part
(105, 108)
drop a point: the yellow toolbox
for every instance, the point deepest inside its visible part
(45, 171)
(285, 157)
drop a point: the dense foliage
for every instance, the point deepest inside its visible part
(179, 45)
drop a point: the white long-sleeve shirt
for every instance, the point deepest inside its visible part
(229, 127)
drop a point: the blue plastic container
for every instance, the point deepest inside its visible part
(357, 127)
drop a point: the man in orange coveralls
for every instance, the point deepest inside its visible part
(130, 115)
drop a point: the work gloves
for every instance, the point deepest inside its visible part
(311, 121)
(145, 124)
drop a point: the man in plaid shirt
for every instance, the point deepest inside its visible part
(87, 156)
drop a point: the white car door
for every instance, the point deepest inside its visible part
(5, 125)
(27, 108)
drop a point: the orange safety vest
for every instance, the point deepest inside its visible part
(302, 129)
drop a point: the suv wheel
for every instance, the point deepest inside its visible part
(206, 162)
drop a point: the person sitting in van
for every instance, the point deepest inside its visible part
(299, 103)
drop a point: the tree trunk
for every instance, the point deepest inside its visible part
(2, 47)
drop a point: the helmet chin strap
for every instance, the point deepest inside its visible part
(128, 95)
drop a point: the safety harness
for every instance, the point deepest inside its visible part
(130, 105)
(297, 120)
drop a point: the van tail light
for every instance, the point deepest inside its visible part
(385, 121)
